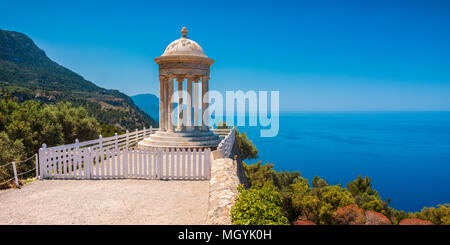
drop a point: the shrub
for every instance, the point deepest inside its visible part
(376, 218)
(415, 221)
(258, 207)
(438, 216)
(319, 204)
(349, 215)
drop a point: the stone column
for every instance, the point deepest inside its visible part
(180, 124)
(188, 120)
(162, 104)
(169, 104)
(196, 104)
(205, 102)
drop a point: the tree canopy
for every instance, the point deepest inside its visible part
(25, 126)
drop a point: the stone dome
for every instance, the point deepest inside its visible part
(184, 46)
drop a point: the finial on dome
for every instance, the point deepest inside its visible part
(184, 31)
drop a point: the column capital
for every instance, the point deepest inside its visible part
(180, 78)
(196, 79)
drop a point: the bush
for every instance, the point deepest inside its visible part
(110, 130)
(438, 216)
(9, 151)
(259, 175)
(258, 207)
(349, 215)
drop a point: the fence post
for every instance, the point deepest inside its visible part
(100, 142)
(116, 141)
(145, 132)
(15, 173)
(43, 162)
(91, 162)
(207, 158)
(137, 138)
(159, 164)
(36, 163)
(151, 130)
(125, 161)
(126, 144)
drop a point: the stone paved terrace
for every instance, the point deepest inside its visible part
(125, 201)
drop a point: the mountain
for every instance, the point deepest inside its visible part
(148, 103)
(27, 73)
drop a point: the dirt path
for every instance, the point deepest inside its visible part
(106, 202)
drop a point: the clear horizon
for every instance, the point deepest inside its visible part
(321, 56)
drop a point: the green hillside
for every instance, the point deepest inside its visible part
(27, 73)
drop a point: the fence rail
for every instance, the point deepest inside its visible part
(15, 173)
(117, 141)
(226, 145)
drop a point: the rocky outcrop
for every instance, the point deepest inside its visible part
(415, 221)
(376, 218)
(226, 175)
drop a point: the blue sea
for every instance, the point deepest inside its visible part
(407, 154)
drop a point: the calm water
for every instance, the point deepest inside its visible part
(407, 154)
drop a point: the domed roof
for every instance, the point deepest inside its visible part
(184, 46)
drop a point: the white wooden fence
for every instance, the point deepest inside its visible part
(114, 158)
(226, 145)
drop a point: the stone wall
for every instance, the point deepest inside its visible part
(226, 175)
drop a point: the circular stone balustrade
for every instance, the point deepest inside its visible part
(193, 139)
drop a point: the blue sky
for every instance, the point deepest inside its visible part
(320, 55)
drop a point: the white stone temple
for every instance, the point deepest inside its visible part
(183, 62)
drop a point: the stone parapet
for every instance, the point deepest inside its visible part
(226, 175)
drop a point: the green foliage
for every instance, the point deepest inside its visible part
(397, 215)
(24, 127)
(437, 216)
(360, 186)
(317, 182)
(11, 150)
(246, 147)
(318, 204)
(109, 130)
(27, 73)
(258, 207)
(259, 176)
(368, 198)
(222, 125)
(263, 175)
(34, 124)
